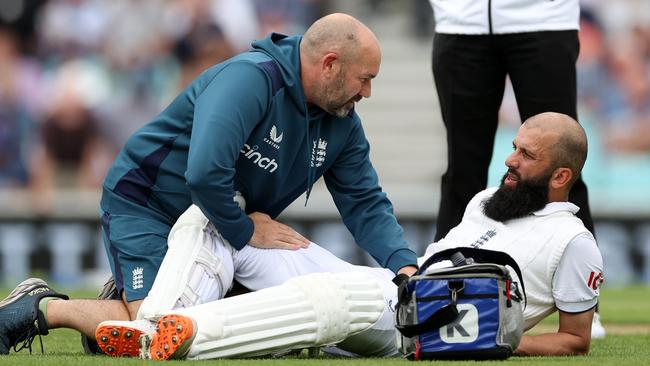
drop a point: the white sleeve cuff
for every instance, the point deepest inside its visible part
(576, 307)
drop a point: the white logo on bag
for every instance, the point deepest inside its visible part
(275, 139)
(138, 278)
(464, 329)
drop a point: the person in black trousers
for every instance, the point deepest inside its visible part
(470, 73)
(477, 43)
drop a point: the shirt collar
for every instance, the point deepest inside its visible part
(553, 207)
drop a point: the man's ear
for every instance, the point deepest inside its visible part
(330, 64)
(561, 178)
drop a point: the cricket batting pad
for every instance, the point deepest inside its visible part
(197, 268)
(306, 311)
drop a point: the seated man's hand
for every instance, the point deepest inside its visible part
(269, 234)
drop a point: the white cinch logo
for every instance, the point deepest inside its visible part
(318, 152)
(464, 329)
(256, 157)
(274, 138)
(138, 278)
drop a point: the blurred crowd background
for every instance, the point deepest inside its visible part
(77, 77)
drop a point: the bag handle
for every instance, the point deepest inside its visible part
(479, 255)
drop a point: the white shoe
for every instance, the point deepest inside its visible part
(597, 329)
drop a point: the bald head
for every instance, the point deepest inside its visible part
(568, 139)
(339, 33)
(339, 57)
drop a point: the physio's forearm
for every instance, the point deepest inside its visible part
(552, 344)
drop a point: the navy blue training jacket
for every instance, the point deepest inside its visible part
(243, 125)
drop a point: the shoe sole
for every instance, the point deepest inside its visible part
(119, 340)
(173, 337)
(171, 340)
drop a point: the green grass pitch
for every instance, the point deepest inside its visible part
(624, 312)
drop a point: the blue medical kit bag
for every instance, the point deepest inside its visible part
(472, 310)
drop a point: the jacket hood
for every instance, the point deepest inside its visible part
(285, 51)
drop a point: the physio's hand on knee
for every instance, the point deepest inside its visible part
(273, 234)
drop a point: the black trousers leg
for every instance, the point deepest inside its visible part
(470, 81)
(541, 66)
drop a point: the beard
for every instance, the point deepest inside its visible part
(526, 197)
(342, 110)
(336, 101)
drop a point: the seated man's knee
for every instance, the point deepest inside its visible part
(197, 268)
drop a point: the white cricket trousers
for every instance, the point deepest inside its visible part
(200, 266)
